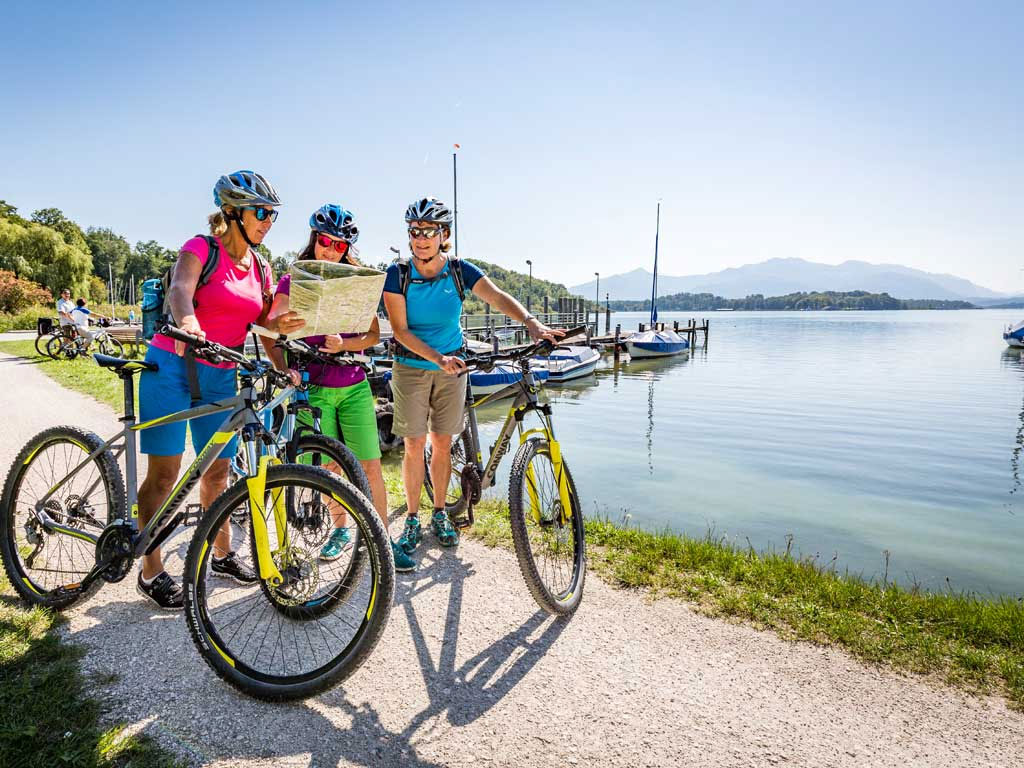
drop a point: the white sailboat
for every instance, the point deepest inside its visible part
(655, 343)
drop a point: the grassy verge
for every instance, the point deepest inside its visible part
(960, 637)
(46, 717)
(81, 374)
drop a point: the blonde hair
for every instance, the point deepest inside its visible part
(218, 224)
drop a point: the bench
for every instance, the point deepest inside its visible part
(130, 337)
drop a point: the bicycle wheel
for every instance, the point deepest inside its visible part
(549, 540)
(60, 348)
(454, 501)
(37, 562)
(44, 339)
(110, 346)
(242, 632)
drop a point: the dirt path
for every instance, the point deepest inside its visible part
(470, 673)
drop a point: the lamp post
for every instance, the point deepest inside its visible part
(529, 288)
(597, 300)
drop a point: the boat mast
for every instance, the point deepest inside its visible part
(654, 282)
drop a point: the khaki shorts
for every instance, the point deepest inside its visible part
(427, 400)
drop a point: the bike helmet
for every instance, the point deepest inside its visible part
(429, 209)
(243, 188)
(335, 221)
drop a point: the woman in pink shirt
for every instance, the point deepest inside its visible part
(236, 294)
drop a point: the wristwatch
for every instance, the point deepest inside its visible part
(528, 318)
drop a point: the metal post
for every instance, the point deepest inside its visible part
(529, 285)
(597, 300)
(455, 192)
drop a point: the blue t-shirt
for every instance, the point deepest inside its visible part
(433, 308)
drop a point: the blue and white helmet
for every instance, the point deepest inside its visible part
(333, 220)
(243, 188)
(429, 209)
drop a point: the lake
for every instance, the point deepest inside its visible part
(856, 433)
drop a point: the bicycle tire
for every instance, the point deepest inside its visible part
(565, 597)
(42, 340)
(112, 347)
(229, 657)
(455, 503)
(60, 348)
(75, 445)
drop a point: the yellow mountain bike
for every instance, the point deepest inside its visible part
(544, 508)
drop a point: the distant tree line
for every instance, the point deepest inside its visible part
(819, 300)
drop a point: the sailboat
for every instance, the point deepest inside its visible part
(655, 343)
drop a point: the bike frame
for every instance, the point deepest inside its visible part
(240, 415)
(525, 402)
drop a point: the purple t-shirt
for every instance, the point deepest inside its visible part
(320, 374)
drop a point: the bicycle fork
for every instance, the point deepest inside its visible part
(555, 452)
(257, 487)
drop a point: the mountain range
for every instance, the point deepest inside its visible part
(778, 277)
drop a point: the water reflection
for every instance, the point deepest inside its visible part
(1011, 358)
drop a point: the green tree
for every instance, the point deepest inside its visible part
(55, 219)
(280, 264)
(8, 211)
(147, 259)
(97, 293)
(110, 252)
(38, 253)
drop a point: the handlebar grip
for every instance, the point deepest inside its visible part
(179, 335)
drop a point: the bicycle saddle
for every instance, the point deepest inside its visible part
(127, 366)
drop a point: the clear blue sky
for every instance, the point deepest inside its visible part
(888, 132)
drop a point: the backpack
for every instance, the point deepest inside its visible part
(405, 278)
(156, 307)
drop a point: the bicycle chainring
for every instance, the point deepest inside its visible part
(115, 547)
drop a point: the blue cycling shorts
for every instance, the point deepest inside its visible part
(166, 391)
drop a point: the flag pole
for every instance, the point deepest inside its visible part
(455, 188)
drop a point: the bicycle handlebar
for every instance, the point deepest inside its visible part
(488, 360)
(216, 353)
(304, 350)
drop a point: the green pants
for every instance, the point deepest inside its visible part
(347, 414)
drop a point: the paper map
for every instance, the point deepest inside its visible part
(333, 298)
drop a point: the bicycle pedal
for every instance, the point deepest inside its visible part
(192, 514)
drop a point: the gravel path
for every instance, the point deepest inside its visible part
(470, 673)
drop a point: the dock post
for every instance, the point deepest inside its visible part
(641, 327)
(547, 318)
(618, 331)
(607, 320)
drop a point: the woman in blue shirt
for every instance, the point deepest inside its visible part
(429, 390)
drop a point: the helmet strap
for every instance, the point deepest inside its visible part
(237, 218)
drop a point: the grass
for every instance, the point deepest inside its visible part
(960, 637)
(47, 717)
(26, 318)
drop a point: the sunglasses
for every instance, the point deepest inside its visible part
(430, 232)
(262, 214)
(325, 242)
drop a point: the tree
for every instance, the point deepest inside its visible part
(148, 259)
(8, 211)
(38, 253)
(98, 293)
(110, 252)
(17, 294)
(55, 219)
(280, 264)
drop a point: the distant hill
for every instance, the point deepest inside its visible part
(778, 277)
(825, 300)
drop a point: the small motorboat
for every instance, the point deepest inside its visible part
(656, 344)
(568, 363)
(1014, 335)
(488, 382)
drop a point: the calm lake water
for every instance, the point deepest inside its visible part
(853, 432)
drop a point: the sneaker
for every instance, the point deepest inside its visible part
(231, 567)
(163, 590)
(403, 563)
(443, 529)
(411, 536)
(337, 543)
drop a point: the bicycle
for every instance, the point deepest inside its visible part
(46, 329)
(545, 514)
(70, 347)
(68, 524)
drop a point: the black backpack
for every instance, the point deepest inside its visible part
(405, 278)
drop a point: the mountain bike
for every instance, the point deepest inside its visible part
(68, 525)
(64, 347)
(545, 514)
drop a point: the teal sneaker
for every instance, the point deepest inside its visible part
(337, 543)
(411, 536)
(403, 563)
(443, 529)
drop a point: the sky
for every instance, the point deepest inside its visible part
(886, 132)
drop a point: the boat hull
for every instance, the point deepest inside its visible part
(655, 349)
(569, 363)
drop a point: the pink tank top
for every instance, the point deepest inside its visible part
(226, 305)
